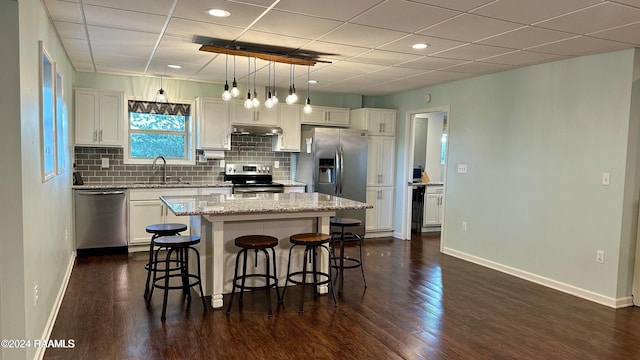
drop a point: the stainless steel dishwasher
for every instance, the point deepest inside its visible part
(101, 218)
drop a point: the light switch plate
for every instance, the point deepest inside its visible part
(105, 163)
(462, 168)
(605, 179)
(276, 164)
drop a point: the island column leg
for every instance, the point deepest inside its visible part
(218, 264)
(324, 227)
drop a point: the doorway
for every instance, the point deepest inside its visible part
(426, 140)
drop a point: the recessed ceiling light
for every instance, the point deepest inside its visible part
(218, 12)
(420, 46)
(312, 81)
(174, 66)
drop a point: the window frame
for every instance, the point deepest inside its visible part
(189, 128)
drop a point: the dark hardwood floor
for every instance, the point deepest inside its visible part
(419, 304)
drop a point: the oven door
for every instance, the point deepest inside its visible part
(257, 189)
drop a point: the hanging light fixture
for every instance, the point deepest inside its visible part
(226, 95)
(248, 103)
(256, 102)
(275, 91)
(307, 106)
(268, 102)
(161, 94)
(292, 97)
(234, 89)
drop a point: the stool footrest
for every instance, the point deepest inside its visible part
(273, 281)
(309, 274)
(354, 263)
(174, 287)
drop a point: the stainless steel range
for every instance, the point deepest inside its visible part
(251, 178)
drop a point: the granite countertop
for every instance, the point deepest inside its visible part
(432, 183)
(262, 203)
(141, 185)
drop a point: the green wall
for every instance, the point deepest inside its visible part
(536, 141)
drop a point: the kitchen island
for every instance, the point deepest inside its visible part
(219, 218)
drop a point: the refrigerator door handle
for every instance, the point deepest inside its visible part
(337, 179)
(341, 167)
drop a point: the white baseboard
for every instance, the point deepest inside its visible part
(56, 307)
(541, 280)
(370, 235)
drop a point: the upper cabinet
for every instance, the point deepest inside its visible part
(289, 120)
(376, 121)
(213, 127)
(99, 117)
(328, 116)
(381, 161)
(261, 116)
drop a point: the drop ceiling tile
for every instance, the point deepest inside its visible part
(189, 29)
(529, 12)
(580, 45)
(338, 10)
(70, 30)
(600, 17)
(403, 16)
(334, 51)
(431, 63)
(629, 34)
(435, 77)
(107, 41)
(78, 51)
(380, 57)
(461, 5)
(121, 19)
(435, 45)
(469, 28)
(64, 11)
(475, 67)
(472, 52)
(522, 58)
(158, 7)
(284, 23)
(526, 37)
(634, 3)
(112, 63)
(242, 15)
(180, 51)
(263, 38)
(362, 36)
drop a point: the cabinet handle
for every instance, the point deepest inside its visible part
(379, 127)
(384, 127)
(328, 115)
(95, 135)
(100, 135)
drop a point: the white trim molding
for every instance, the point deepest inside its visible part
(541, 280)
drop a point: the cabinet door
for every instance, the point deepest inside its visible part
(380, 218)
(381, 161)
(386, 122)
(267, 117)
(111, 118)
(338, 117)
(373, 155)
(289, 121)
(86, 116)
(316, 117)
(432, 209)
(371, 217)
(141, 214)
(213, 124)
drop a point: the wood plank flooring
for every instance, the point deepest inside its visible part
(419, 304)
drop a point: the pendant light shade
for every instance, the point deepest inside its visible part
(307, 106)
(235, 92)
(268, 102)
(161, 94)
(248, 103)
(256, 102)
(274, 96)
(226, 94)
(292, 98)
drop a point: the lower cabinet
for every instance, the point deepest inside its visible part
(146, 208)
(380, 218)
(433, 206)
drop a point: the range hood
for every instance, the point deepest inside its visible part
(256, 130)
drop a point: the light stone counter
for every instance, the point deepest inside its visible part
(219, 218)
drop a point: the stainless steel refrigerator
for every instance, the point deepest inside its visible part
(334, 161)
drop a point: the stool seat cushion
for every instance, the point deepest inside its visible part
(309, 239)
(177, 241)
(256, 241)
(346, 222)
(166, 229)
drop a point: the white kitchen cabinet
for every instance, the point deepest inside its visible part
(146, 208)
(380, 218)
(261, 116)
(376, 121)
(294, 189)
(381, 161)
(99, 117)
(328, 116)
(214, 190)
(289, 120)
(213, 131)
(433, 206)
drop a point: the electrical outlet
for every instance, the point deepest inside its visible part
(464, 226)
(605, 178)
(462, 168)
(276, 164)
(105, 163)
(35, 295)
(600, 256)
(66, 236)
(222, 164)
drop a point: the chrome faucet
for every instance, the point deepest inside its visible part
(164, 167)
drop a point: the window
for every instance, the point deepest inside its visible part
(47, 115)
(443, 149)
(159, 129)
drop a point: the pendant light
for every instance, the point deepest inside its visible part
(226, 95)
(256, 102)
(161, 94)
(248, 103)
(234, 90)
(275, 91)
(307, 106)
(268, 102)
(292, 97)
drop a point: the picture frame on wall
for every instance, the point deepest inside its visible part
(48, 145)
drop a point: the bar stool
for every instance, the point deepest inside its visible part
(312, 243)
(258, 243)
(341, 236)
(180, 245)
(158, 230)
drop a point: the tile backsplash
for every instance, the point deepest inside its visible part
(244, 149)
